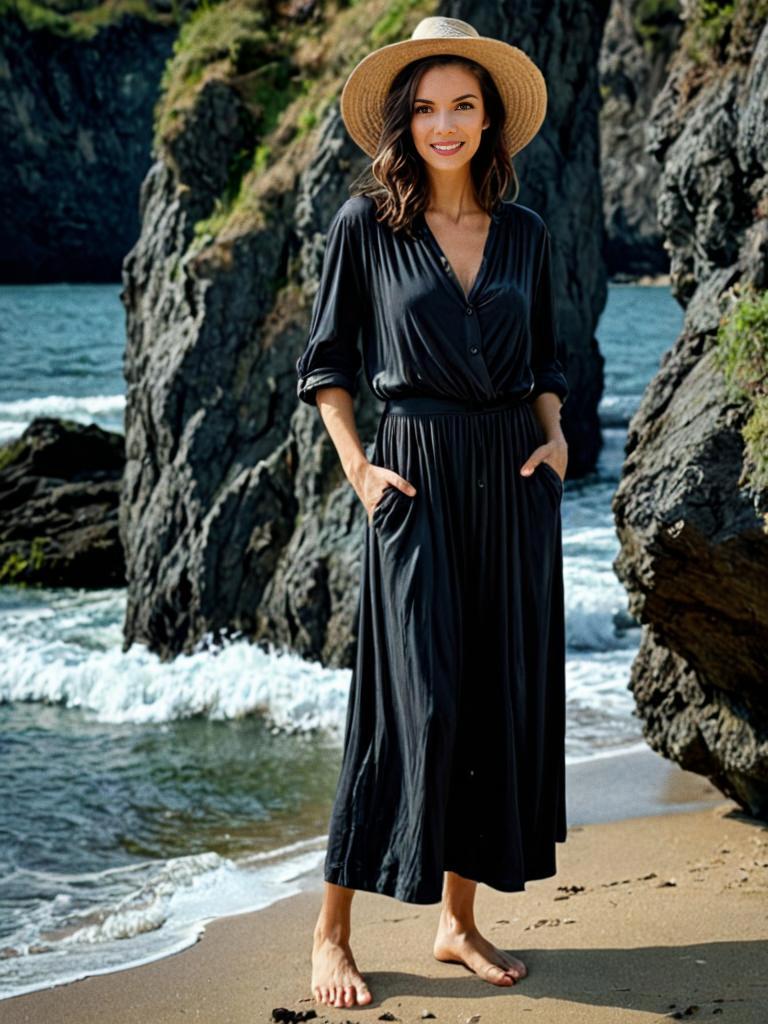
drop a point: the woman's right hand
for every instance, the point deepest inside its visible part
(374, 481)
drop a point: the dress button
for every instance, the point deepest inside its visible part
(469, 311)
(473, 349)
(481, 483)
(418, 376)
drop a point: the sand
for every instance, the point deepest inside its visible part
(654, 917)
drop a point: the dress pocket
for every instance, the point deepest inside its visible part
(389, 500)
(551, 473)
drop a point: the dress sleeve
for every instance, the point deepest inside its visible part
(331, 357)
(546, 351)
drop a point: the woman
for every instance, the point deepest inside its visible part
(453, 764)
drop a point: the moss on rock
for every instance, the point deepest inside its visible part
(717, 33)
(742, 355)
(83, 19)
(287, 72)
(652, 20)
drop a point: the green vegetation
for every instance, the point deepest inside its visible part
(653, 19)
(712, 21)
(83, 19)
(742, 355)
(718, 32)
(287, 74)
(395, 23)
(10, 451)
(13, 568)
(228, 38)
(36, 551)
(16, 565)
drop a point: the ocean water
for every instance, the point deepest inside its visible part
(140, 799)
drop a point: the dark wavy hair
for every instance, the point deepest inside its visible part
(396, 178)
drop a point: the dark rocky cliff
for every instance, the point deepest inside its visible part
(76, 123)
(640, 38)
(691, 505)
(235, 516)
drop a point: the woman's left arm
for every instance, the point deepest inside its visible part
(550, 391)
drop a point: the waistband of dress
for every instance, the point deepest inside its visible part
(414, 404)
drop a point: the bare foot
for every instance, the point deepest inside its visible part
(470, 948)
(335, 977)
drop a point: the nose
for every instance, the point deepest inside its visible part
(444, 123)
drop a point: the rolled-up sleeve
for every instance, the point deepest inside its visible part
(547, 361)
(332, 356)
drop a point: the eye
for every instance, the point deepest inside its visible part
(424, 106)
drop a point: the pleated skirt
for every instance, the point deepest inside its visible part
(454, 743)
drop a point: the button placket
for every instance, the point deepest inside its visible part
(474, 347)
(473, 324)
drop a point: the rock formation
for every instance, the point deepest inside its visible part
(638, 42)
(76, 125)
(59, 492)
(694, 547)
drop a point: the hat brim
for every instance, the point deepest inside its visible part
(520, 83)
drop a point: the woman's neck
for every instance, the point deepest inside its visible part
(452, 196)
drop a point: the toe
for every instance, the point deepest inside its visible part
(499, 976)
(363, 994)
(349, 995)
(338, 994)
(512, 965)
(519, 969)
(324, 994)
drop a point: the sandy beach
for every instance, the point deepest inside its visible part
(659, 915)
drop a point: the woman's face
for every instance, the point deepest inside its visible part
(448, 117)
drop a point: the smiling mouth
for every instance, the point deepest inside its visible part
(445, 149)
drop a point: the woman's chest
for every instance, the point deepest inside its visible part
(462, 249)
(417, 284)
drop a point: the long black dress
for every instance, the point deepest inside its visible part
(454, 742)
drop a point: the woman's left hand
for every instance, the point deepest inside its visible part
(554, 452)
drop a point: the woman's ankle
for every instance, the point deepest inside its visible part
(460, 922)
(332, 930)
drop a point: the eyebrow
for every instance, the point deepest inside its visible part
(466, 96)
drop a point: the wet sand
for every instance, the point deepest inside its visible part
(658, 911)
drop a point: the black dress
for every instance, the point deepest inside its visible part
(454, 747)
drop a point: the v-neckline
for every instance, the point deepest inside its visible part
(448, 266)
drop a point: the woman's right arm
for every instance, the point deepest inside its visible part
(336, 408)
(329, 367)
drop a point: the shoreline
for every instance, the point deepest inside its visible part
(642, 798)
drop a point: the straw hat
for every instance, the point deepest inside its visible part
(520, 83)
